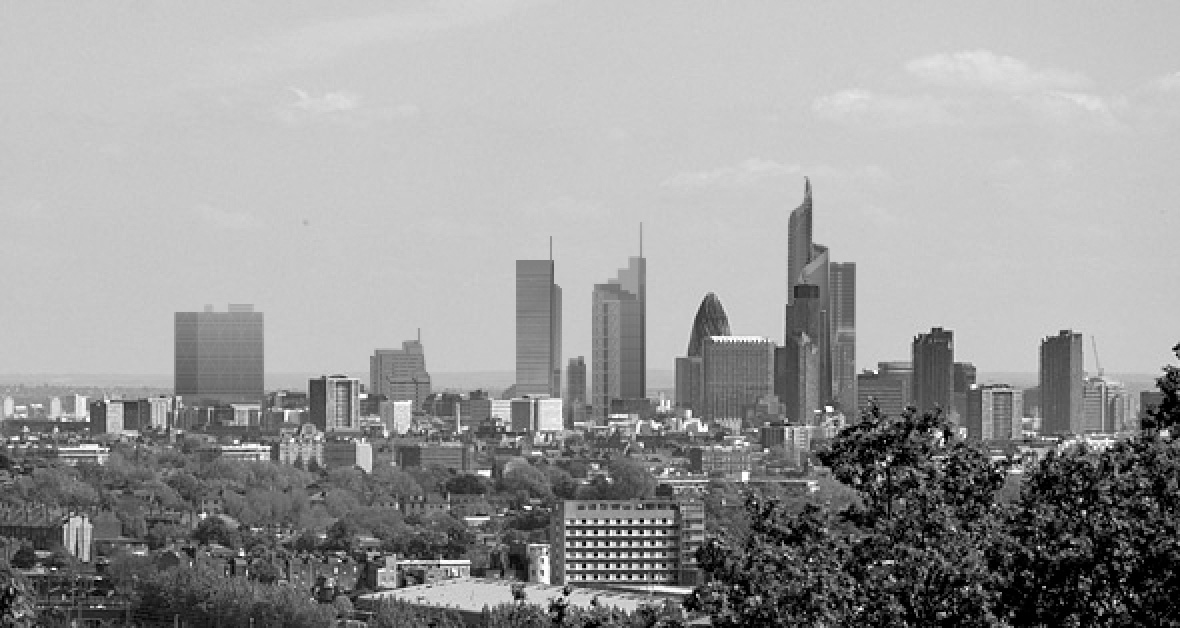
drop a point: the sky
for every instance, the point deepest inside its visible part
(361, 170)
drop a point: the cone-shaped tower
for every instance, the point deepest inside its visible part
(710, 321)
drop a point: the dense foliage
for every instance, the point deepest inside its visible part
(931, 540)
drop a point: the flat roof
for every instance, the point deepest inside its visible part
(472, 594)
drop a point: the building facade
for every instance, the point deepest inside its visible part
(400, 374)
(738, 371)
(334, 403)
(710, 320)
(843, 300)
(619, 338)
(538, 329)
(934, 371)
(219, 356)
(576, 393)
(1105, 405)
(994, 412)
(630, 542)
(1062, 377)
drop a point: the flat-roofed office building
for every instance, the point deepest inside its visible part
(538, 329)
(640, 541)
(738, 371)
(219, 356)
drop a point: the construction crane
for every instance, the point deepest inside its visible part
(1097, 362)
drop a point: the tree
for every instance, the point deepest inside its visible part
(17, 608)
(25, 557)
(467, 484)
(925, 521)
(1095, 539)
(526, 479)
(214, 529)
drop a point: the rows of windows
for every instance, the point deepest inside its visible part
(619, 522)
(618, 554)
(628, 506)
(621, 543)
(621, 576)
(622, 532)
(618, 566)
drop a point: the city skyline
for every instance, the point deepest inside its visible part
(280, 131)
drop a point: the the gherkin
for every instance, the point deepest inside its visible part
(710, 321)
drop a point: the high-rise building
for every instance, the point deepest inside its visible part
(710, 320)
(1062, 382)
(934, 370)
(538, 329)
(994, 412)
(1105, 404)
(890, 392)
(219, 356)
(799, 365)
(619, 338)
(575, 395)
(334, 403)
(964, 380)
(400, 374)
(738, 372)
(827, 317)
(843, 284)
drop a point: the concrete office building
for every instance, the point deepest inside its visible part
(891, 393)
(619, 338)
(400, 374)
(1105, 405)
(650, 541)
(538, 329)
(842, 277)
(1062, 384)
(994, 412)
(738, 371)
(219, 356)
(537, 414)
(334, 403)
(576, 392)
(934, 370)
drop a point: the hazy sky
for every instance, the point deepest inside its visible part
(362, 169)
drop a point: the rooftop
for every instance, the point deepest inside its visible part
(472, 594)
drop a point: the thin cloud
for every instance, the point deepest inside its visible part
(862, 105)
(318, 43)
(337, 107)
(748, 173)
(984, 69)
(225, 219)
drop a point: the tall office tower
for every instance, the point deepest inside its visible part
(619, 338)
(738, 372)
(710, 320)
(575, 395)
(538, 329)
(334, 403)
(400, 374)
(889, 393)
(934, 370)
(843, 285)
(799, 365)
(994, 412)
(219, 356)
(1062, 383)
(964, 380)
(1105, 405)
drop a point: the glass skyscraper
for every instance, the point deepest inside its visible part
(1062, 384)
(538, 329)
(710, 320)
(219, 356)
(619, 337)
(400, 374)
(934, 370)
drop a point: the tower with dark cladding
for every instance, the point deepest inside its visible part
(709, 321)
(1062, 384)
(538, 329)
(619, 338)
(934, 371)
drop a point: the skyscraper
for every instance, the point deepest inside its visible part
(994, 412)
(575, 396)
(1105, 405)
(538, 329)
(1062, 373)
(619, 337)
(843, 284)
(400, 374)
(738, 372)
(219, 356)
(334, 403)
(934, 370)
(710, 320)
(829, 323)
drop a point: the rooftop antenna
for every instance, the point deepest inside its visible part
(551, 248)
(1097, 362)
(641, 240)
(419, 335)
